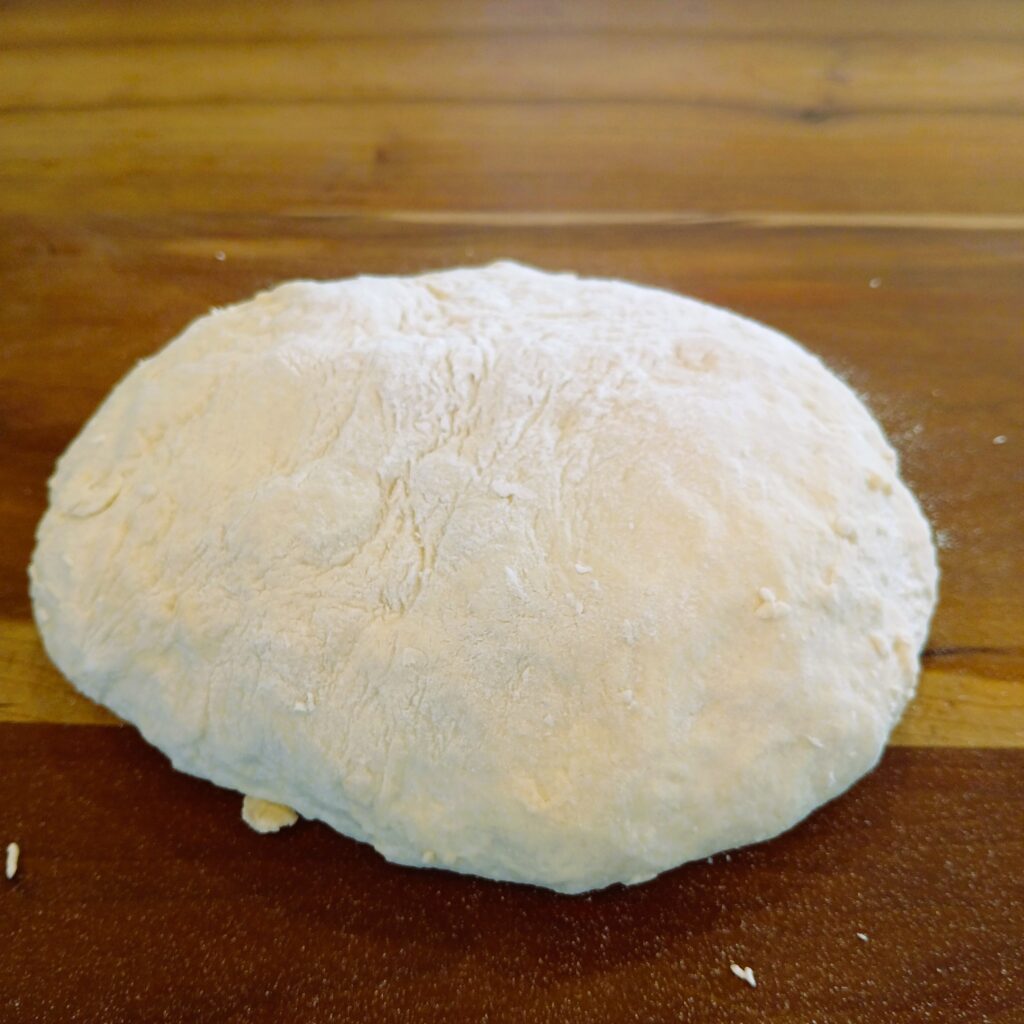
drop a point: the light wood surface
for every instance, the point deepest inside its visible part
(310, 158)
(849, 173)
(300, 108)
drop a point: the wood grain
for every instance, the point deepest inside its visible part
(801, 77)
(849, 173)
(29, 22)
(320, 108)
(338, 156)
(142, 896)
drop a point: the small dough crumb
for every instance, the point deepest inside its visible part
(307, 705)
(862, 937)
(844, 528)
(999, 439)
(264, 816)
(877, 482)
(745, 973)
(583, 569)
(13, 853)
(770, 607)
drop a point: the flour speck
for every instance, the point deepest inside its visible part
(744, 974)
(13, 853)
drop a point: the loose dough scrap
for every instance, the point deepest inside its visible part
(540, 578)
(264, 816)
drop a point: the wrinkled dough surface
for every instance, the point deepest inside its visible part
(546, 579)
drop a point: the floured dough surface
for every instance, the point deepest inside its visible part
(546, 579)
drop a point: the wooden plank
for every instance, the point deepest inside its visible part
(31, 21)
(31, 688)
(281, 157)
(955, 706)
(810, 78)
(141, 895)
(935, 348)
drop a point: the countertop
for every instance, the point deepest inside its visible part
(849, 173)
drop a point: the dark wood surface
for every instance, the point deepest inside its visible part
(144, 897)
(850, 173)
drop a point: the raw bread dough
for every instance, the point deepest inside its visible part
(264, 816)
(546, 579)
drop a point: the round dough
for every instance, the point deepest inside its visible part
(539, 578)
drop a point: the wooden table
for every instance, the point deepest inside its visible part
(850, 173)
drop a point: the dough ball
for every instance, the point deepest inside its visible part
(546, 579)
